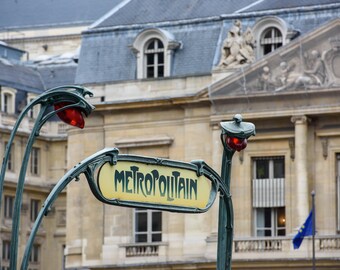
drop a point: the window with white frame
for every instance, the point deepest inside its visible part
(35, 161)
(8, 100)
(154, 58)
(8, 206)
(148, 225)
(270, 33)
(270, 221)
(271, 39)
(268, 188)
(154, 49)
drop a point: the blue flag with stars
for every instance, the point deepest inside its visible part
(305, 230)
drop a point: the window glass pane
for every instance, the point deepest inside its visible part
(260, 217)
(263, 222)
(8, 205)
(279, 168)
(281, 221)
(160, 71)
(151, 46)
(161, 58)
(35, 204)
(141, 222)
(156, 221)
(156, 237)
(262, 169)
(267, 217)
(140, 238)
(276, 32)
(150, 72)
(150, 58)
(267, 49)
(160, 44)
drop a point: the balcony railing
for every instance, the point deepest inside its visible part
(141, 250)
(51, 128)
(258, 244)
(323, 244)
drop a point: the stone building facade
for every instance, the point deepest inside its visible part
(164, 75)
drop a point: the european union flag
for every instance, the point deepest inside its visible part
(305, 230)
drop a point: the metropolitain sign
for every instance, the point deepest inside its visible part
(138, 181)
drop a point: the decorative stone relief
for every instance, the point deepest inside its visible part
(314, 73)
(331, 59)
(238, 47)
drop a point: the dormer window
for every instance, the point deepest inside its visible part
(271, 40)
(270, 34)
(8, 100)
(154, 49)
(154, 56)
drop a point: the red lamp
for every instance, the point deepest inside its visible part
(236, 143)
(71, 116)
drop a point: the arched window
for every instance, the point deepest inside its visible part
(154, 49)
(154, 58)
(271, 39)
(271, 33)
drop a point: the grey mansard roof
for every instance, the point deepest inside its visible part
(19, 14)
(199, 25)
(152, 11)
(20, 77)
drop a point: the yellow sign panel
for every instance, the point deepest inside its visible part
(154, 184)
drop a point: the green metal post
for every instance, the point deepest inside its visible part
(74, 96)
(234, 138)
(225, 218)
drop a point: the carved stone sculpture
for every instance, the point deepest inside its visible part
(314, 71)
(238, 48)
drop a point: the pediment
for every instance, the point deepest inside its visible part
(309, 62)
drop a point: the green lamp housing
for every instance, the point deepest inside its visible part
(235, 133)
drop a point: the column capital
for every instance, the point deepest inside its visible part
(300, 119)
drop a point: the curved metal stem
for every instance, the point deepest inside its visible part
(75, 94)
(20, 189)
(86, 167)
(9, 145)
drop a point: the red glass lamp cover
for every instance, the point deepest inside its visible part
(236, 143)
(71, 116)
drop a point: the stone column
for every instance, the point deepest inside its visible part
(216, 165)
(300, 182)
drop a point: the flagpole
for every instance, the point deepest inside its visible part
(313, 214)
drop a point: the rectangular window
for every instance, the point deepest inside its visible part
(8, 206)
(269, 182)
(6, 103)
(10, 164)
(35, 160)
(35, 206)
(6, 249)
(35, 254)
(268, 188)
(148, 225)
(270, 221)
